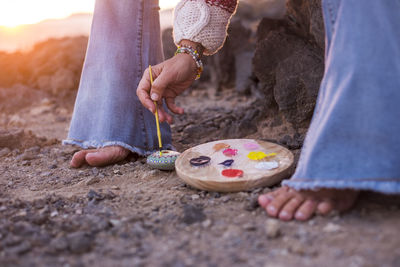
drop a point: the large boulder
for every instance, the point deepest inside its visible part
(289, 61)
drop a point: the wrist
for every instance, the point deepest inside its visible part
(185, 48)
(197, 46)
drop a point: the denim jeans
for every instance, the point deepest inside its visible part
(354, 138)
(124, 40)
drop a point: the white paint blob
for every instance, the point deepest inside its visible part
(269, 165)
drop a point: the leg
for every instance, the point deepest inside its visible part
(353, 140)
(124, 40)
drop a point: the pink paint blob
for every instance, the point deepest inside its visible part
(251, 146)
(230, 152)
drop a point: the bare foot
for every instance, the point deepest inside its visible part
(99, 157)
(286, 203)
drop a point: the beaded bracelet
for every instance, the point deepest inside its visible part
(195, 55)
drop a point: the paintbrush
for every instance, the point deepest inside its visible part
(156, 114)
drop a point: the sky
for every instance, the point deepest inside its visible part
(18, 12)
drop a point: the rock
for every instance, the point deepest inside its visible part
(115, 223)
(40, 218)
(4, 152)
(114, 187)
(79, 211)
(251, 204)
(22, 248)
(93, 195)
(297, 248)
(249, 227)
(59, 244)
(192, 214)
(117, 172)
(11, 138)
(225, 198)
(92, 180)
(291, 76)
(195, 197)
(54, 213)
(332, 228)
(164, 160)
(272, 228)
(95, 171)
(80, 242)
(207, 223)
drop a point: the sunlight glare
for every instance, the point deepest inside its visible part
(18, 12)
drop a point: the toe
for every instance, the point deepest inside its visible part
(325, 207)
(306, 210)
(79, 158)
(278, 202)
(288, 211)
(264, 200)
(106, 156)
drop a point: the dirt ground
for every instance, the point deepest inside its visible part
(130, 215)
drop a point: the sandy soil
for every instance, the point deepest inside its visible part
(130, 215)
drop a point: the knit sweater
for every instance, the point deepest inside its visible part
(203, 21)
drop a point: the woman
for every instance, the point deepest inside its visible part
(352, 143)
(124, 40)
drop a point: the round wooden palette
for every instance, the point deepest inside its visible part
(210, 178)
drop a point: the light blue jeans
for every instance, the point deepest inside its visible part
(354, 138)
(124, 40)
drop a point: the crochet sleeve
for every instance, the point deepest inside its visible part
(203, 21)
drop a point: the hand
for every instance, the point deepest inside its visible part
(171, 78)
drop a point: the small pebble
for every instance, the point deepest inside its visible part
(297, 248)
(114, 187)
(272, 228)
(54, 213)
(249, 227)
(207, 223)
(195, 197)
(4, 152)
(225, 199)
(332, 228)
(92, 180)
(115, 223)
(117, 172)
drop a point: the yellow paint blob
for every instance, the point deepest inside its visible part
(259, 155)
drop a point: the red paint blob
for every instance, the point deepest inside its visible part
(232, 173)
(229, 152)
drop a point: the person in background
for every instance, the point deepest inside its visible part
(108, 117)
(353, 142)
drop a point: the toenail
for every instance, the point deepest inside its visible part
(271, 209)
(284, 214)
(299, 215)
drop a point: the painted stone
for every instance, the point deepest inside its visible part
(230, 152)
(165, 161)
(220, 146)
(267, 165)
(232, 173)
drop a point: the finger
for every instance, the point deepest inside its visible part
(143, 91)
(159, 85)
(166, 116)
(170, 101)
